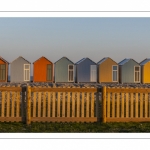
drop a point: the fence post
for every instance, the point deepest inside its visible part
(97, 105)
(28, 115)
(104, 104)
(23, 104)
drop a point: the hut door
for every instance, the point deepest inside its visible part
(136, 74)
(49, 72)
(26, 72)
(70, 73)
(93, 73)
(114, 73)
(2, 72)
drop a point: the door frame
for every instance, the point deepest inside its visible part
(24, 72)
(117, 73)
(139, 74)
(5, 73)
(73, 73)
(51, 72)
(95, 74)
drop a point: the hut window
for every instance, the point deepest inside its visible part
(136, 73)
(115, 73)
(26, 72)
(49, 72)
(2, 72)
(70, 73)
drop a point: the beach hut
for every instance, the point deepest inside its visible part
(64, 70)
(20, 70)
(86, 70)
(42, 70)
(107, 70)
(3, 70)
(145, 70)
(129, 71)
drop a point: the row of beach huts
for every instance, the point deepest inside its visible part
(85, 70)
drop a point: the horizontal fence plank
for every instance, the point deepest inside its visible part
(13, 89)
(36, 89)
(12, 119)
(127, 119)
(63, 119)
(123, 90)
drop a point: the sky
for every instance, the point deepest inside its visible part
(75, 38)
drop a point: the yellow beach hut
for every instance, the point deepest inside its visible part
(145, 70)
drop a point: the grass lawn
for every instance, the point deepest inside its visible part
(18, 127)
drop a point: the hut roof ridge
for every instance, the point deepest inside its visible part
(4, 60)
(22, 58)
(102, 60)
(40, 58)
(81, 60)
(105, 58)
(144, 61)
(62, 58)
(126, 60)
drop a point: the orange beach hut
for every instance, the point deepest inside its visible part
(42, 70)
(3, 70)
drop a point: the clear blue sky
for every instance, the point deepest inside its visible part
(75, 38)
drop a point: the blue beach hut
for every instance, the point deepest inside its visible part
(86, 70)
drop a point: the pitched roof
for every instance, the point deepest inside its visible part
(144, 61)
(102, 60)
(125, 61)
(62, 58)
(78, 62)
(4, 60)
(22, 58)
(42, 57)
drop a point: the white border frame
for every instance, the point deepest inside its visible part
(24, 72)
(112, 73)
(139, 74)
(73, 73)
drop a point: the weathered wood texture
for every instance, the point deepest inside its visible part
(74, 104)
(12, 105)
(62, 104)
(126, 104)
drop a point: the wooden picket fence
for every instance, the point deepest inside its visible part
(62, 104)
(42, 104)
(126, 104)
(12, 104)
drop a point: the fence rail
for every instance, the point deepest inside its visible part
(42, 104)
